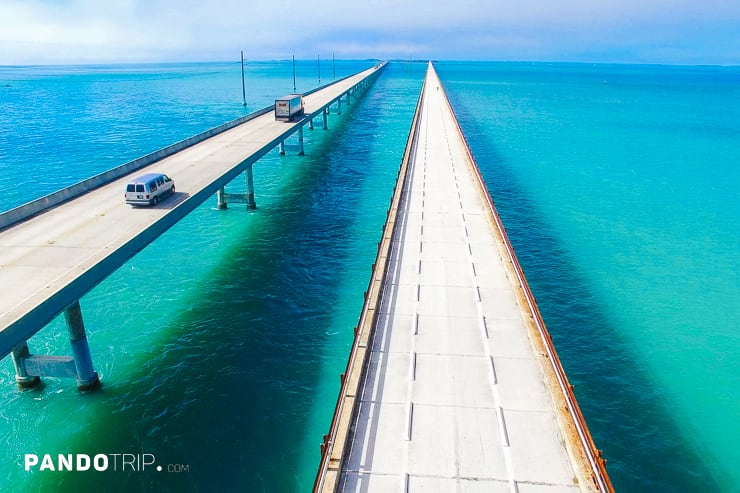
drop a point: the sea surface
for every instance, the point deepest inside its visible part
(617, 186)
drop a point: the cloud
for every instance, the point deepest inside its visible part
(48, 31)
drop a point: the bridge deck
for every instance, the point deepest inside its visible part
(455, 395)
(50, 260)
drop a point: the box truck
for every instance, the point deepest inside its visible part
(288, 107)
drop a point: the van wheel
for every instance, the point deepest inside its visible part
(156, 200)
(173, 188)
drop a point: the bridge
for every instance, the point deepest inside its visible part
(452, 383)
(55, 249)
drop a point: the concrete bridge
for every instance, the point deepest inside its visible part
(57, 248)
(452, 383)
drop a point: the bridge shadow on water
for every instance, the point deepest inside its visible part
(227, 389)
(628, 417)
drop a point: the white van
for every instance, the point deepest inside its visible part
(149, 189)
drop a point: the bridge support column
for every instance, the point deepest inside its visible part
(324, 114)
(30, 367)
(339, 106)
(348, 98)
(221, 198)
(251, 204)
(310, 124)
(22, 378)
(239, 198)
(300, 141)
(282, 148)
(87, 377)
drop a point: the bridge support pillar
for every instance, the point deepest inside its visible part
(221, 198)
(251, 204)
(30, 367)
(348, 97)
(239, 198)
(339, 106)
(300, 141)
(282, 148)
(310, 124)
(22, 378)
(324, 114)
(87, 377)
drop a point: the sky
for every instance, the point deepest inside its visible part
(621, 31)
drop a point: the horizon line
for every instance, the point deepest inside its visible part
(390, 60)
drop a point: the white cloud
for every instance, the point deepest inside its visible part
(38, 31)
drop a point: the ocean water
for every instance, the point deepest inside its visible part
(615, 184)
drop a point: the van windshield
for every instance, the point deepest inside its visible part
(140, 188)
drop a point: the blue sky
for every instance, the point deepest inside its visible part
(638, 31)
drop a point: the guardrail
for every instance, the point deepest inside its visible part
(334, 446)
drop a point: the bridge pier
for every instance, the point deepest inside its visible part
(300, 141)
(251, 204)
(339, 106)
(324, 114)
(224, 198)
(310, 124)
(281, 148)
(87, 377)
(348, 97)
(22, 378)
(30, 368)
(221, 198)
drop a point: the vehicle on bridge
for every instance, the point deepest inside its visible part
(288, 107)
(149, 189)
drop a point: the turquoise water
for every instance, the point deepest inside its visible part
(614, 182)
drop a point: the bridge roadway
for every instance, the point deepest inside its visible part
(50, 260)
(452, 383)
